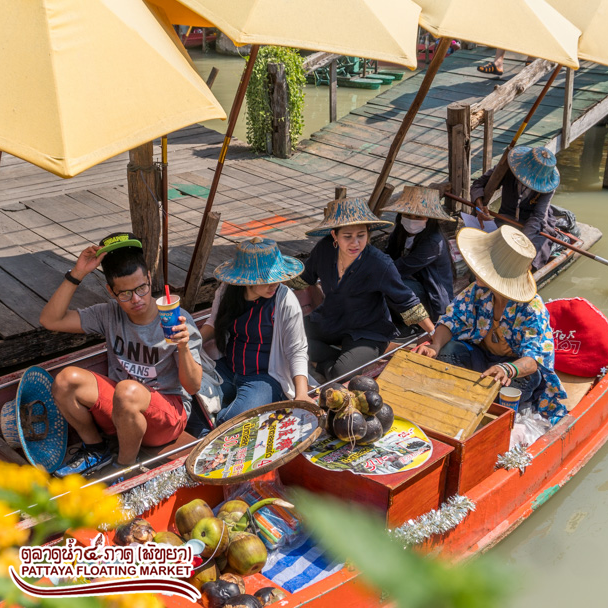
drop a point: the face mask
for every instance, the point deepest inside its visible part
(413, 226)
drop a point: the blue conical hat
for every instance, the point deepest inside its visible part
(258, 262)
(347, 212)
(32, 421)
(535, 168)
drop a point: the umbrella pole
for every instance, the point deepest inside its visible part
(408, 119)
(501, 168)
(234, 114)
(507, 219)
(165, 211)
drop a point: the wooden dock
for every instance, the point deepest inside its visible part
(46, 221)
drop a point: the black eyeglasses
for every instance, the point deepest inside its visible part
(127, 294)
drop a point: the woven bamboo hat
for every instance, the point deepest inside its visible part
(421, 202)
(258, 262)
(535, 168)
(32, 422)
(347, 212)
(501, 259)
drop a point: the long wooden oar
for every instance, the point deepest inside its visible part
(408, 119)
(501, 168)
(234, 114)
(509, 220)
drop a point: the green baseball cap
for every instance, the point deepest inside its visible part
(117, 240)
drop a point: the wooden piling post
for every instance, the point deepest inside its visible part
(333, 91)
(340, 192)
(605, 180)
(143, 182)
(385, 195)
(459, 149)
(281, 141)
(199, 262)
(567, 119)
(488, 139)
(212, 76)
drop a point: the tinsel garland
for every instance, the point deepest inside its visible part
(144, 497)
(448, 516)
(516, 458)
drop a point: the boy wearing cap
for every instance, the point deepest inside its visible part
(527, 190)
(146, 397)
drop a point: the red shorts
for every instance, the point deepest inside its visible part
(165, 416)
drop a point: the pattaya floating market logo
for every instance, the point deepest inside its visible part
(149, 568)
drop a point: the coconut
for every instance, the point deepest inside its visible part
(243, 600)
(269, 595)
(246, 553)
(323, 393)
(349, 425)
(363, 383)
(188, 515)
(135, 531)
(374, 431)
(336, 399)
(219, 592)
(374, 402)
(386, 417)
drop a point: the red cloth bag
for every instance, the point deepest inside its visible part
(580, 334)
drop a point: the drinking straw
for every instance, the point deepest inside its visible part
(168, 300)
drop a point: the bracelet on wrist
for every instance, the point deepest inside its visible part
(68, 277)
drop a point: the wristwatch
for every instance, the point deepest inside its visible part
(68, 277)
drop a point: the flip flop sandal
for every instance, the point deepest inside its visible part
(489, 68)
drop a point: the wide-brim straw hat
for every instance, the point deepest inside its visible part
(347, 212)
(32, 422)
(421, 202)
(535, 168)
(501, 259)
(258, 262)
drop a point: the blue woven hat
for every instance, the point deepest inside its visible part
(535, 168)
(258, 262)
(347, 212)
(33, 423)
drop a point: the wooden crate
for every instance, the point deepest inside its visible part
(401, 496)
(474, 458)
(448, 399)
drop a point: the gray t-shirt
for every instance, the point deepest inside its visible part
(140, 352)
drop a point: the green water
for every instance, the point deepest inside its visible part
(560, 552)
(316, 111)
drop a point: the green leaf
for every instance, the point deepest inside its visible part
(350, 532)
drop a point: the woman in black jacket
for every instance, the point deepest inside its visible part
(353, 324)
(420, 251)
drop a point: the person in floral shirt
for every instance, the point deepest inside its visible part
(499, 325)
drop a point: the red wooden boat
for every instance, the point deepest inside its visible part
(503, 498)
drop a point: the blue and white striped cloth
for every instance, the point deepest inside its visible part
(301, 566)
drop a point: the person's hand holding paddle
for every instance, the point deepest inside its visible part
(483, 213)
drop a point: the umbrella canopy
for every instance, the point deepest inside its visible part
(84, 81)
(376, 29)
(591, 17)
(178, 14)
(530, 27)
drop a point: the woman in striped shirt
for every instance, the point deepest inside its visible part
(258, 327)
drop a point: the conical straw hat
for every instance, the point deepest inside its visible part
(422, 202)
(501, 259)
(535, 168)
(258, 262)
(347, 212)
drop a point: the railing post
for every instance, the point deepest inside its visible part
(459, 149)
(567, 119)
(281, 141)
(333, 91)
(488, 139)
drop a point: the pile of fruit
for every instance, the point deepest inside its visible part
(229, 550)
(356, 414)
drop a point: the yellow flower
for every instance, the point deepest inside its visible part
(10, 534)
(20, 479)
(9, 557)
(86, 507)
(138, 600)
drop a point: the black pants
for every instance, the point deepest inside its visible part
(337, 355)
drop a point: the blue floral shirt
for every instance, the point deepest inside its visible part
(526, 329)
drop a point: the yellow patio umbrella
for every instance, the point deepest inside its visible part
(530, 27)
(591, 17)
(91, 80)
(376, 29)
